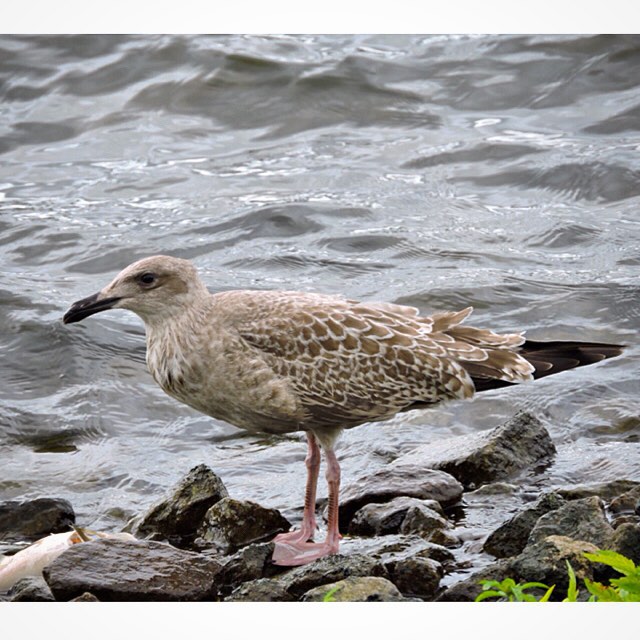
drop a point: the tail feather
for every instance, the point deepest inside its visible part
(549, 358)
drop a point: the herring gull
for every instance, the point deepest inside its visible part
(285, 361)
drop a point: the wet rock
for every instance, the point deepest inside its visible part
(415, 575)
(368, 589)
(413, 564)
(627, 504)
(624, 519)
(468, 589)
(115, 570)
(626, 540)
(86, 597)
(387, 518)
(496, 489)
(177, 517)
(262, 590)
(327, 570)
(394, 547)
(546, 561)
(231, 524)
(250, 563)
(428, 524)
(32, 589)
(35, 519)
(604, 490)
(489, 455)
(510, 538)
(582, 519)
(415, 481)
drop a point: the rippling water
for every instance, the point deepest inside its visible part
(498, 172)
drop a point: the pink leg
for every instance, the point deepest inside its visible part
(292, 552)
(308, 527)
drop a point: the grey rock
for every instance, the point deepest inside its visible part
(32, 589)
(86, 597)
(387, 518)
(299, 580)
(396, 547)
(468, 589)
(116, 570)
(546, 561)
(366, 589)
(582, 519)
(261, 590)
(627, 503)
(510, 538)
(415, 576)
(251, 563)
(487, 456)
(626, 540)
(625, 518)
(428, 524)
(411, 480)
(604, 490)
(496, 489)
(413, 564)
(34, 519)
(178, 516)
(231, 524)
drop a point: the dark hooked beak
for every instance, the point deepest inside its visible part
(87, 307)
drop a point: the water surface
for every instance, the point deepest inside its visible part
(438, 171)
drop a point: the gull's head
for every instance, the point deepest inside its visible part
(155, 288)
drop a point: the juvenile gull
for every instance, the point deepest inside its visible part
(283, 361)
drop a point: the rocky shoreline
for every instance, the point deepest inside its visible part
(199, 543)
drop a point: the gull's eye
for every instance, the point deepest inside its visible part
(147, 278)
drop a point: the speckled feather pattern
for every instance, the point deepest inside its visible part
(281, 361)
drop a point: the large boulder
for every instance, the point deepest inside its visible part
(251, 563)
(486, 456)
(626, 540)
(327, 570)
(411, 480)
(377, 519)
(546, 561)
(415, 565)
(34, 519)
(231, 524)
(260, 590)
(510, 538)
(117, 570)
(365, 589)
(582, 519)
(178, 516)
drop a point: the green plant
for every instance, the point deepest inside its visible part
(572, 591)
(623, 589)
(328, 597)
(511, 591)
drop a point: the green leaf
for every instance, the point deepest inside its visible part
(529, 585)
(547, 595)
(572, 591)
(328, 597)
(602, 593)
(489, 594)
(628, 587)
(613, 559)
(489, 584)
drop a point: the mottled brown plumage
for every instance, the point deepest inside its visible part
(282, 361)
